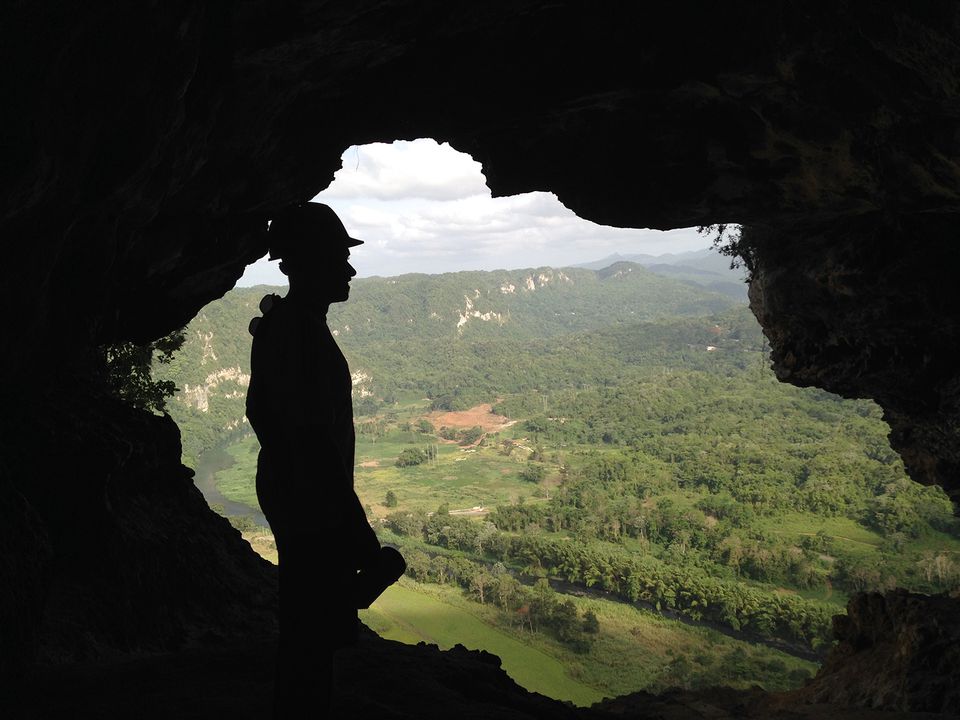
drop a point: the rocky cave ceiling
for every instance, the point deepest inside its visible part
(146, 145)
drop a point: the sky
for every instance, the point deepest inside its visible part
(421, 206)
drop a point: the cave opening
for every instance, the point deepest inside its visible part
(801, 511)
(424, 208)
(149, 145)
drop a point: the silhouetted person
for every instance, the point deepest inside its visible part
(299, 403)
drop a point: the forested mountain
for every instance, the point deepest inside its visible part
(425, 332)
(518, 304)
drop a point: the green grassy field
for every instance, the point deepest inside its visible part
(409, 616)
(797, 525)
(634, 649)
(462, 478)
(853, 537)
(828, 595)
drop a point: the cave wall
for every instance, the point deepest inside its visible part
(148, 143)
(869, 308)
(108, 547)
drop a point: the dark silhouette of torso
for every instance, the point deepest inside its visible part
(299, 404)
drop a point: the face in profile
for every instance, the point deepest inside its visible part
(325, 278)
(339, 276)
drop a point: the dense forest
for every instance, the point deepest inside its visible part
(635, 443)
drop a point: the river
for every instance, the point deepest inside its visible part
(208, 465)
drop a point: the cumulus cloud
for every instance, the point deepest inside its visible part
(416, 169)
(421, 206)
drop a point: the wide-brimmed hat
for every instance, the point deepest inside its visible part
(307, 231)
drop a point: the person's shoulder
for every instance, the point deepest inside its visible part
(277, 317)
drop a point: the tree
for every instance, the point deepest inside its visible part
(391, 499)
(480, 582)
(128, 370)
(441, 568)
(418, 565)
(542, 601)
(410, 524)
(411, 457)
(471, 435)
(488, 531)
(507, 589)
(533, 472)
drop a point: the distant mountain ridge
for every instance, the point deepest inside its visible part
(706, 268)
(530, 302)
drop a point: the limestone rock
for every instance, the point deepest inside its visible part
(895, 651)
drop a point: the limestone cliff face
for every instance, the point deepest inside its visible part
(146, 145)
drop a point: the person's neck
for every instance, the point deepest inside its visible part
(318, 309)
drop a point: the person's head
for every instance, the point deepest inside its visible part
(314, 251)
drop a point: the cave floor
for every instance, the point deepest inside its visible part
(381, 679)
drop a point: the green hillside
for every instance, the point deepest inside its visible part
(518, 304)
(420, 333)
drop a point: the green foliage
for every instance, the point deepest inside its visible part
(244, 523)
(684, 589)
(729, 240)
(907, 507)
(533, 472)
(129, 375)
(391, 500)
(449, 433)
(471, 435)
(411, 457)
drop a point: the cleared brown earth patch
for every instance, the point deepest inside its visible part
(481, 415)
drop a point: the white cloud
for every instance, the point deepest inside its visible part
(407, 169)
(422, 206)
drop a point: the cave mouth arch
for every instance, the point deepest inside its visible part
(611, 439)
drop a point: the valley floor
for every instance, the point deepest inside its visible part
(634, 650)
